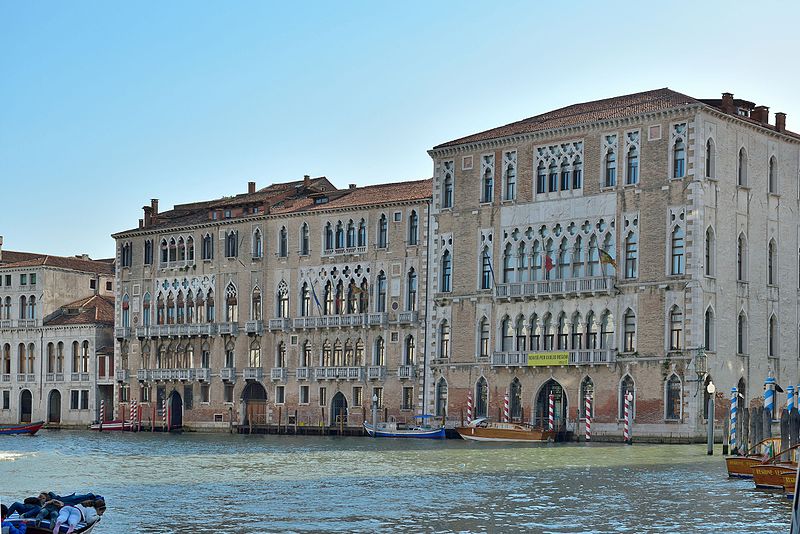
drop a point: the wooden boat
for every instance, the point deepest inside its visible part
(111, 426)
(484, 430)
(741, 466)
(769, 474)
(789, 482)
(418, 429)
(24, 428)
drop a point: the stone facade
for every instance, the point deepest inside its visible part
(547, 195)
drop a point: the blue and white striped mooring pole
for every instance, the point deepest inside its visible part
(769, 395)
(790, 398)
(734, 402)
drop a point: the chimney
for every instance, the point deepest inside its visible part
(306, 181)
(154, 207)
(780, 125)
(141, 223)
(761, 114)
(727, 104)
(148, 216)
(1, 249)
(351, 186)
(251, 187)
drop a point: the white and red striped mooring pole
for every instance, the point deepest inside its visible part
(102, 413)
(506, 417)
(551, 414)
(588, 416)
(164, 413)
(133, 414)
(469, 407)
(626, 429)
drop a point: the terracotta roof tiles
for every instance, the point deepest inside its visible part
(75, 264)
(96, 309)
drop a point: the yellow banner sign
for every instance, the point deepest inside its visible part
(543, 359)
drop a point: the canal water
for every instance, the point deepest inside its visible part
(203, 483)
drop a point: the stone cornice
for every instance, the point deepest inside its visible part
(761, 129)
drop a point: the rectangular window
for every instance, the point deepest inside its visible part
(358, 396)
(84, 399)
(408, 398)
(23, 279)
(144, 393)
(205, 393)
(33, 279)
(280, 394)
(228, 397)
(124, 392)
(323, 396)
(6, 399)
(377, 395)
(74, 399)
(92, 284)
(8, 280)
(304, 394)
(108, 286)
(188, 397)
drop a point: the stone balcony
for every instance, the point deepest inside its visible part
(376, 372)
(340, 321)
(5, 378)
(405, 372)
(26, 377)
(278, 374)
(227, 374)
(339, 373)
(122, 332)
(254, 327)
(576, 357)
(230, 329)
(342, 251)
(253, 373)
(168, 330)
(122, 375)
(281, 323)
(555, 288)
(54, 377)
(202, 374)
(407, 317)
(304, 373)
(19, 323)
(79, 377)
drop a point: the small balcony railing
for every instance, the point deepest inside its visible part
(376, 372)
(304, 373)
(121, 375)
(407, 317)
(143, 331)
(26, 323)
(405, 372)
(338, 373)
(278, 374)
(345, 250)
(331, 321)
(79, 377)
(26, 377)
(141, 375)
(576, 357)
(202, 374)
(254, 327)
(228, 374)
(555, 288)
(230, 329)
(122, 332)
(53, 377)
(280, 323)
(253, 373)
(5, 378)
(6, 323)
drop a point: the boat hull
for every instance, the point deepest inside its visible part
(742, 466)
(789, 481)
(770, 476)
(27, 428)
(433, 433)
(112, 426)
(44, 529)
(534, 435)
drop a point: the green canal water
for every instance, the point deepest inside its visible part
(202, 483)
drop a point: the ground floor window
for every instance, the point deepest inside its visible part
(377, 393)
(205, 393)
(124, 392)
(323, 396)
(188, 397)
(358, 395)
(304, 394)
(228, 395)
(408, 398)
(144, 394)
(79, 399)
(280, 394)
(6, 399)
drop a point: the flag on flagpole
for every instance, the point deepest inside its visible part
(491, 269)
(548, 263)
(316, 300)
(605, 258)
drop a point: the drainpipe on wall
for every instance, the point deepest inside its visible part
(425, 369)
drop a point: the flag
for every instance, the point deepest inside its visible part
(605, 258)
(548, 263)
(491, 269)
(316, 300)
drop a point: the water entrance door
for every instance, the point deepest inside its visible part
(339, 409)
(54, 407)
(25, 406)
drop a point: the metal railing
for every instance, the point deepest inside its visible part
(576, 357)
(555, 288)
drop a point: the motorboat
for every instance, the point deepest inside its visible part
(485, 430)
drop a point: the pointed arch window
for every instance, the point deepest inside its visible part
(326, 353)
(304, 245)
(632, 174)
(625, 387)
(280, 355)
(363, 297)
(483, 345)
(148, 252)
(413, 227)
(520, 334)
(677, 251)
(565, 176)
(673, 397)
(610, 169)
(351, 234)
(379, 356)
(173, 250)
(447, 272)
(410, 353)
(282, 308)
(486, 269)
(190, 318)
(258, 244)
(411, 290)
(256, 304)
(441, 398)
(523, 272)
(180, 307)
(741, 168)
(190, 248)
(146, 309)
(708, 330)
(231, 304)
(380, 304)
(126, 318)
(23, 306)
(164, 252)
(181, 249)
(305, 300)
(772, 263)
(444, 339)
(710, 158)
(773, 337)
(631, 255)
(352, 297)
(487, 183)
(231, 244)
(594, 257)
(710, 250)
(329, 297)
(541, 178)
(210, 315)
(607, 330)
(447, 186)
(283, 242)
(339, 236)
(481, 398)
(208, 247)
(773, 176)
(383, 231)
(362, 233)
(306, 354)
(32, 308)
(328, 237)
(552, 179)
(741, 334)
(511, 176)
(508, 264)
(629, 331)
(741, 258)
(577, 173)
(675, 328)
(679, 158)
(506, 335)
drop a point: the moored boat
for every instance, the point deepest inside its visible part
(769, 474)
(741, 466)
(45, 528)
(23, 428)
(111, 426)
(400, 430)
(789, 482)
(484, 430)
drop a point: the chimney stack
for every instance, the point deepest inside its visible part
(306, 181)
(1, 249)
(351, 186)
(141, 223)
(780, 125)
(727, 104)
(154, 207)
(251, 187)
(761, 114)
(148, 216)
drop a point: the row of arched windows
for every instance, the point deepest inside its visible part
(25, 310)
(560, 332)
(26, 358)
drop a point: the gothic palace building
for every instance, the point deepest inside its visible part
(576, 253)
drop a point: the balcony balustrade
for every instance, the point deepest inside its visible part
(555, 288)
(121, 375)
(26, 323)
(141, 375)
(26, 377)
(143, 331)
(346, 250)
(304, 373)
(280, 323)
(376, 372)
(79, 377)
(230, 329)
(122, 332)
(338, 373)
(407, 317)
(254, 327)
(278, 374)
(405, 372)
(333, 321)
(202, 374)
(228, 374)
(53, 377)
(6, 323)
(253, 373)
(576, 357)
(5, 378)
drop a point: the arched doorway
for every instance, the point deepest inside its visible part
(339, 409)
(175, 410)
(515, 400)
(54, 407)
(542, 413)
(254, 404)
(481, 398)
(441, 398)
(25, 406)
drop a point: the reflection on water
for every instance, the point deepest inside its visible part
(158, 483)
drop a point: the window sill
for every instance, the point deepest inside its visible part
(774, 195)
(710, 276)
(483, 204)
(631, 186)
(607, 188)
(677, 178)
(743, 187)
(743, 354)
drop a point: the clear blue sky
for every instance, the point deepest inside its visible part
(104, 105)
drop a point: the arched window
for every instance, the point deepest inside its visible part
(181, 249)
(541, 178)
(362, 233)
(351, 234)
(710, 252)
(625, 387)
(306, 355)
(552, 177)
(363, 297)
(486, 269)
(380, 304)
(587, 390)
(411, 290)
(170, 308)
(547, 332)
(339, 304)
(283, 243)
(304, 245)
(84, 357)
(173, 250)
(444, 339)
(607, 331)
(515, 399)
(338, 359)
(379, 355)
(611, 169)
(632, 174)
(59, 357)
(164, 252)
(564, 259)
(126, 318)
(447, 191)
(190, 318)
(708, 330)
(339, 235)
(483, 345)
(447, 272)
(523, 273)
(32, 308)
(326, 353)
(594, 257)
(258, 244)
(508, 264)
(282, 308)
(511, 180)
(673, 397)
(148, 252)
(677, 251)
(631, 255)
(576, 343)
(629, 331)
(520, 334)
(210, 306)
(679, 158)
(280, 355)
(208, 247)
(561, 332)
(487, 183)
(481, 398)
(741, 258)
(741, 169)
(506, 335)
(256, 304)
(410, 356)
(231, 304)
(773, 337)
(7, 308)
(190, 248)
(180, 307)
(305, 300)
(383, 232)
(772, 263)
(413, 227)
(565, 176)
(710, 158)
(231, 244)
(352, 297)
(577, 173)
(328, 298)
(441, 398)
(773, 176)
(328, 237)
(675, 328)
(741, 334)
(23, 306)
